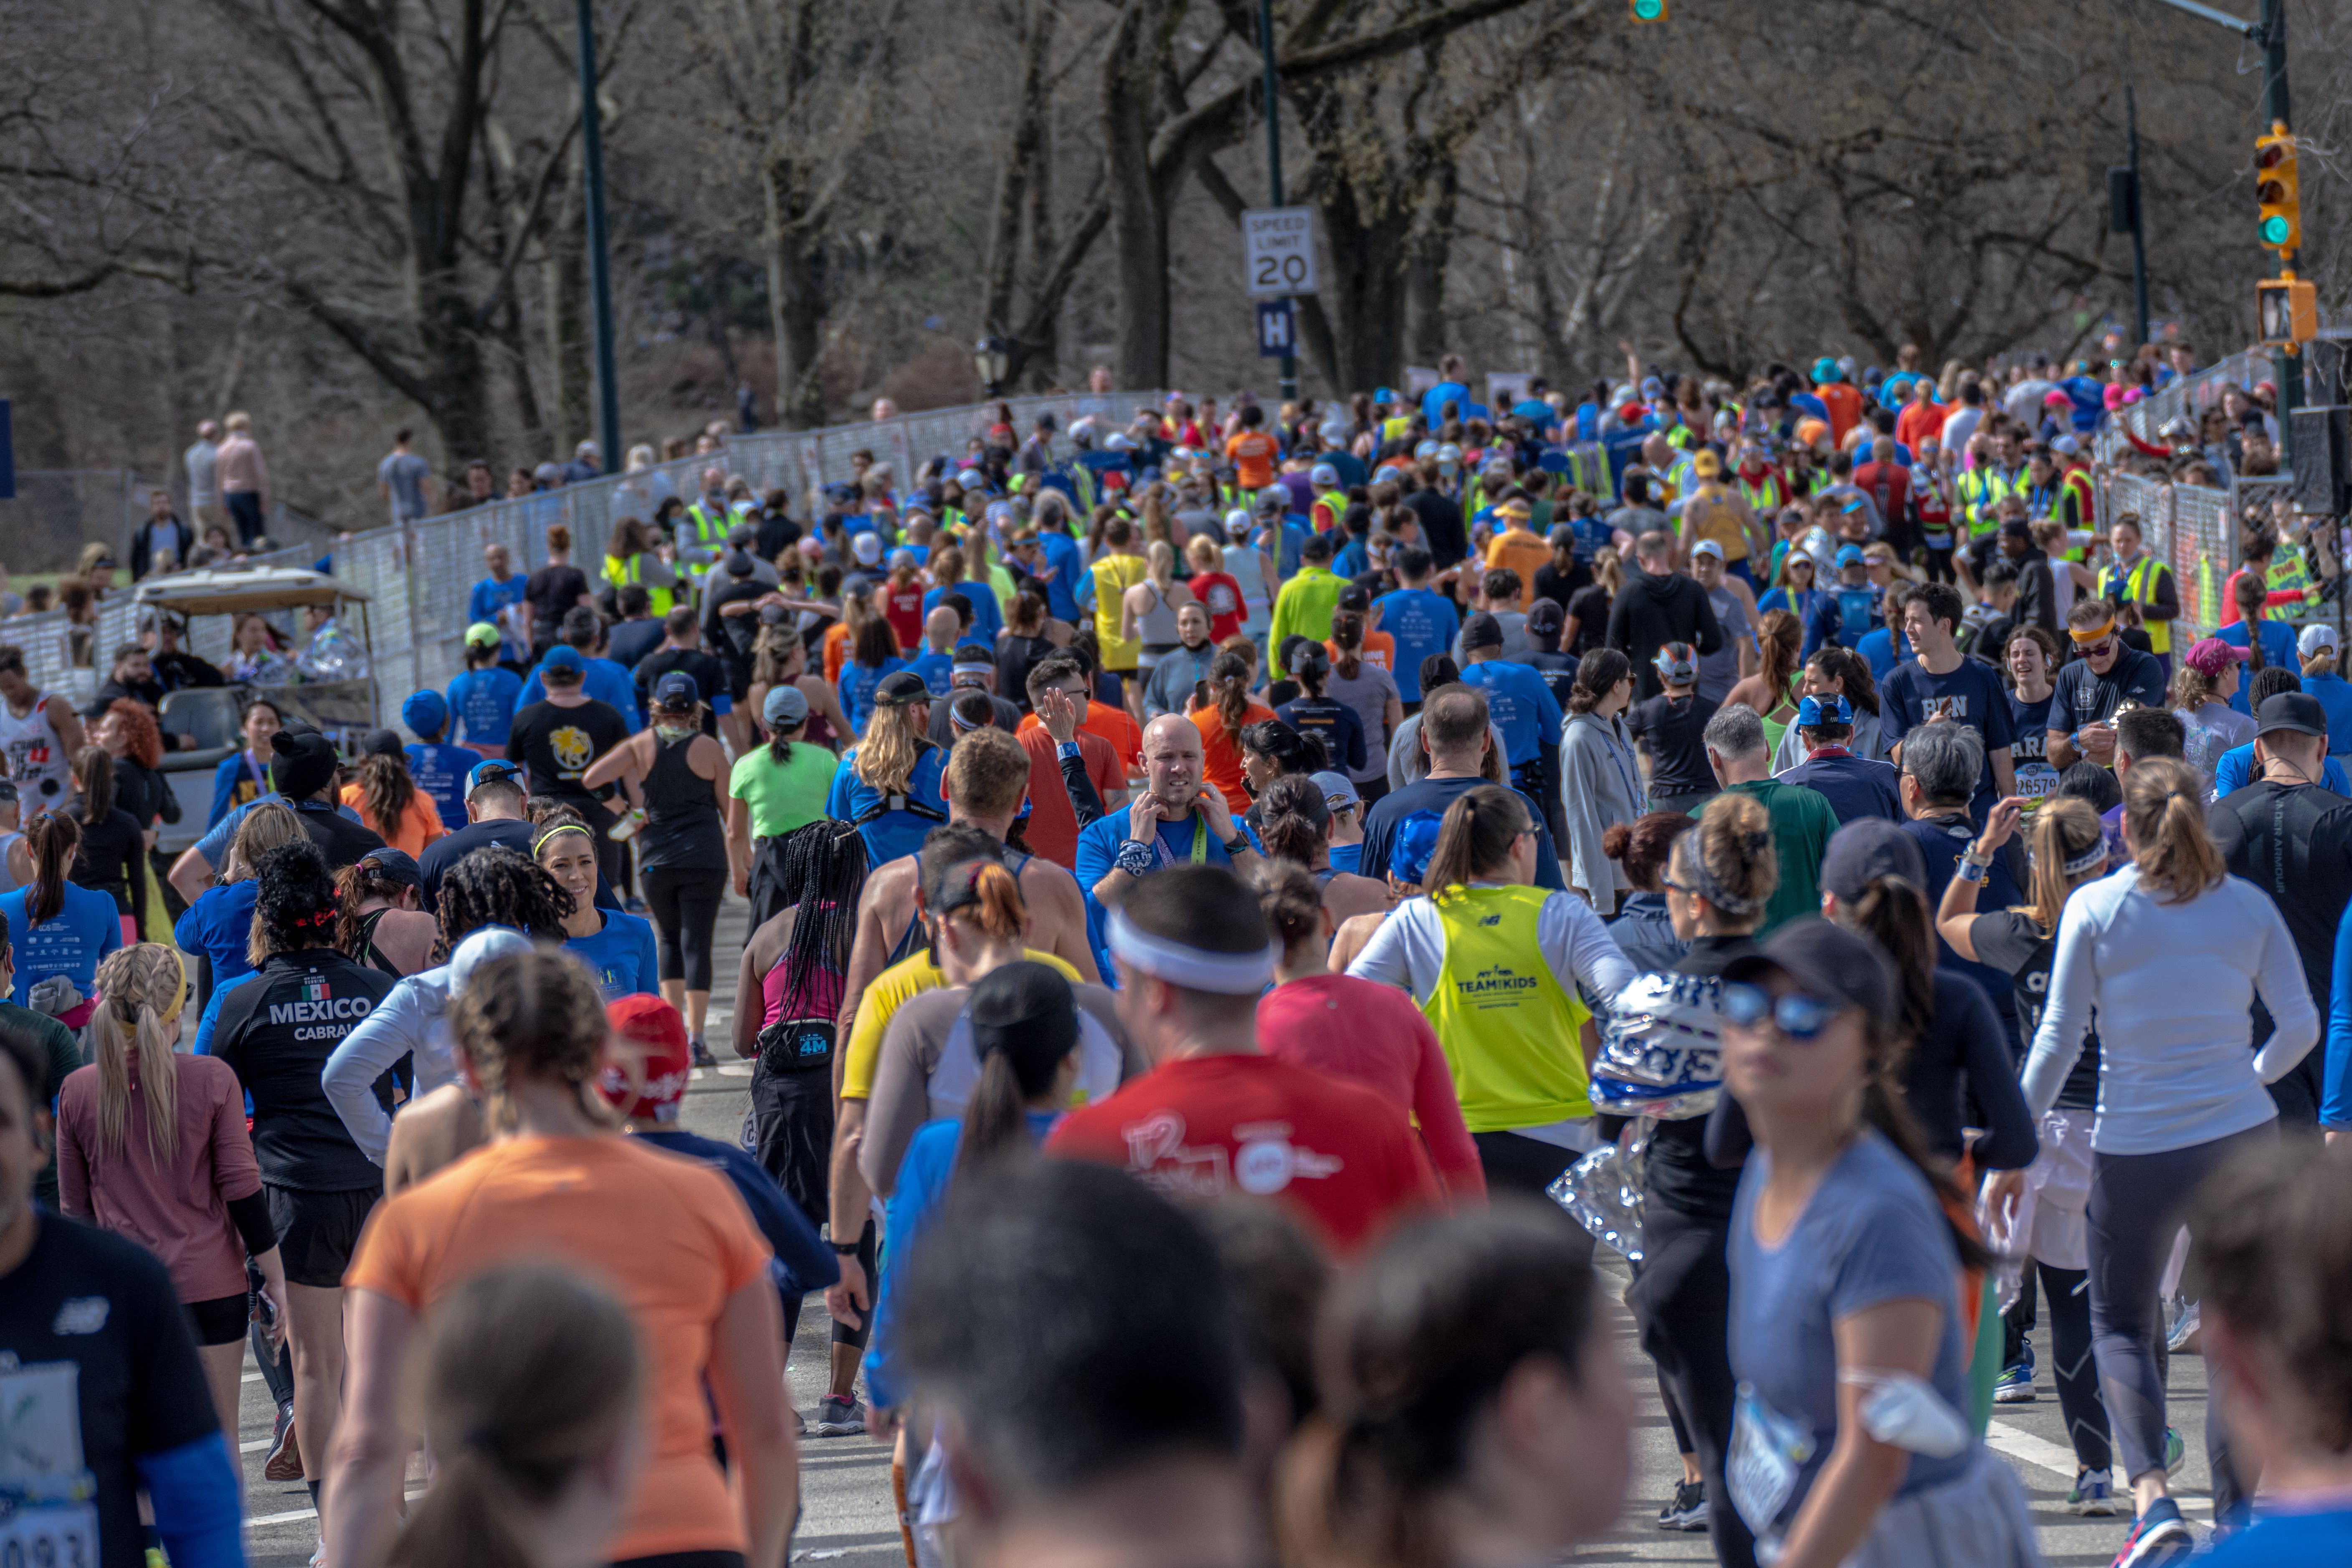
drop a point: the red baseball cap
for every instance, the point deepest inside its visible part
(649, 1036)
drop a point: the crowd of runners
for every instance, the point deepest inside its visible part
(1244, 905)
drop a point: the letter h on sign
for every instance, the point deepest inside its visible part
(1278, 328)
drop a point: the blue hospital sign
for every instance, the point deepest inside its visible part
(1278, 328)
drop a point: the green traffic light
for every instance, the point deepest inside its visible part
(2275, 230)
(1649, 10)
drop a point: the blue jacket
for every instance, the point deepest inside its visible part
(1521, 706)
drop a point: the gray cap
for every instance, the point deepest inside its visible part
(784, 707)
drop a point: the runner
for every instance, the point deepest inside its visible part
(377, 921)
(439, 769)
(2103, 675)
(1939, 683)
(2030, 659)
(277, 1030)
(559, 739)
(1494, 963)
(667, 1236)
(618, 948)
(1856, 786)
(1669, 726)
(2182, 949)
(1803, 819)
(1191, 965)
(1358, 1029)
(61, 931)
(1842, 1269)
(1295, 824)
(40, 734)
(887, 785)
(244, 775)
(1601, 777)
(483, 698)
(389, 803)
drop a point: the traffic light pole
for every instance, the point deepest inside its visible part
(1274, 163)
(599, 251)
(2138, 224)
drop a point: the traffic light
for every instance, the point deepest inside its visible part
(2288, 309)
(2281, 227)
(1647, 10)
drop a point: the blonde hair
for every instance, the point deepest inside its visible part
(2164, 812)
(1161, 564)
(888, 750)
(266, 827)
(2064, 829)
(141, 990)
(1607, 571)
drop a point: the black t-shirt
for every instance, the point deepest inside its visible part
(551, 592)
(1557, 669)
(733, 635)
(2295, 843)
(277, 1030)
(711, 678)
(2082, 696)
(777, 534)
(630, 641)
(1590, 607)
(1678, 1173)
(1942, 840)
(2009, 941)
(1016, 656)
(1561, 587)
(142, 793)
(558, 745)
(108, 846)
(1673, 727)
(91, 1318)
(1332, 721)
(342, 841)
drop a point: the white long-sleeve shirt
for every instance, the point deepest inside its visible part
(1409, 950)
(2172, 983)
(411, 1021)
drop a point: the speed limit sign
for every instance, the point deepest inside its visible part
(1279, 251)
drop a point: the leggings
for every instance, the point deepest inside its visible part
(685, 905)
(1681, 1299)
(2136, 1202)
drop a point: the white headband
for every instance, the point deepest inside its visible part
(1226, 973)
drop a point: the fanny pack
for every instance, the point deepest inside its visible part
(797, 1045)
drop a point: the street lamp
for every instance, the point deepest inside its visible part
(993, 357)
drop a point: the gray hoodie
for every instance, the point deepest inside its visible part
(1600, 783)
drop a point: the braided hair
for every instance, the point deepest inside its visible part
(496, 886)
(824, 866)
(295, 907)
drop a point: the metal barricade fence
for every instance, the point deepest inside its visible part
(2202, 552)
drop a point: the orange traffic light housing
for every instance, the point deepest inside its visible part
(2288, 309)
(2279, 226)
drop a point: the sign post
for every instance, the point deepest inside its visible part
(1278, 264)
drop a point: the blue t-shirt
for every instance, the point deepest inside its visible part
(1800, 602)
(440, 772)
(1521, 706)
(2281, 1539)
(237, 770)
(215, 843)
(222, 989)
(609, 682)
(488, 597)
(1346, 857)
(1972, 694)
(1097, 856)
(803, 1262)
(2333, 694)
(1422, 623)
(2278, 648)
(218, 925)
(858, 683)
(987, 615)
(1059, 567)
(2236, 768)
(893, 833)
(1428, 799)
(1433, 401)
(622, 957)
(1355, 559)
(69, 943)
(1871, 1233)
(1883, 649)
(482, 705)
(937, 670)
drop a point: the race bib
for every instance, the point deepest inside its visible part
(2037, 782)
(1768, 1456)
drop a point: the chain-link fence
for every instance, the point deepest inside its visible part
(55, 511)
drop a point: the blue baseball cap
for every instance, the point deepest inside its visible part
(424, 713)
(677, 691)
(564, 656)
(495, 771)
(1384, 396)
(1850, 555)
(1815, 712)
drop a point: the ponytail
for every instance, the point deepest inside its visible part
(94, 766)
(1348, 636)
(1474, 837)
(1015, 1067)
(2165, 815)
(1294, 820)
(53, 839)
(142, 990)
(1893, 912)
(385, 790)
(1291, 902)
(355, 884)
(1229, 681)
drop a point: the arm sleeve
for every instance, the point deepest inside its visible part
(1383, 959)
(2167, 604)
(1710, 630)
(235, 1172)
(1816, 631)
(2335, 1097)
(2280, 981)
(1547, 712)
(2067, 1013)
(788, 1231)
(1586, 864)
(2009, 1143)
(1620, 623)
(365, 1054)
(195, 1489)
(1581, 950)
(1086, 801)
(250, 1215)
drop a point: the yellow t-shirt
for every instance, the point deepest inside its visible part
(893, 989)
(1114, 575)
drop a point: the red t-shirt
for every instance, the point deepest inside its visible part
(1844, 404)
(1219, 594)
(903, 608)
(1053, 830)
(1373, 1035)
(1333, 1151)
(1919, 421)
(1888, 484)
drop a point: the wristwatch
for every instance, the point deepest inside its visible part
(1238, 843)
(844, 1249)
(1134, 858)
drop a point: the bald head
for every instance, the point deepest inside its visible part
(1171, 758)
(1658, 453)
(940, 629)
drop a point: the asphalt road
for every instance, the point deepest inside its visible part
(847, 1516)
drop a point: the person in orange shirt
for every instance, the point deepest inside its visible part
(1517, 548)
(1252, 451)
(1372, 647)
(1068, 671)
(1230, 711)
(668, 1236)
(1923, 417)
(388, 800)
(1837, 395)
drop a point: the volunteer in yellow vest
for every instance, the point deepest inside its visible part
(1991, 481)
(629, 558)
(1496, 963)
(1712, 511)
(2139, 578)
(702, 539)
(1330, 505)
(1303, 607)
(1119, 567)
(1760, 485)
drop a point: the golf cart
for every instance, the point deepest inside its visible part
(344, 709)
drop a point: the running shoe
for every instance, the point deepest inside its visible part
(702, 1057)
(2015, 1384)
(2092, 1496)
(285, 1461)
(1688, 1510)
(2158, 1537)
(2184, 1339)
(2176, 1452)
(839, 1416)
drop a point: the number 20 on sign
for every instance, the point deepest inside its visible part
(1279, 251)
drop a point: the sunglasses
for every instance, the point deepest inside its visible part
(2099, 649)
(1798, 1017)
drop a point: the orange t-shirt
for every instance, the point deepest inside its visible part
(1379, 648)
(1221, 764)
(418, 825)
(1919, 421)
(1844, 404)
(1252, 452)
(1113, 724)
(835, 650)
(670, 1236)
(1522, 552)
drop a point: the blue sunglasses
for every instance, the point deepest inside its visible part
(1797, 1016)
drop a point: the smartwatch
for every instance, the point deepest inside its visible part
(1237, 844)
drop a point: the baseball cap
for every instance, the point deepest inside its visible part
(1025, 1007)
(1708, 547)
(2208, 656)
(739, 564)
(900, 688)
(1815, 712)
(656, 1037)
(1849, 555)
(425, 714)
(481, 634)
(1545, 617)
(1339, 790)
(393, 865)
(676, 692)
(301, 764)
(2067, 445)
(785, 706)
(479, 948)
(1482, 630)
(2291, 711)
(381, 743)
(1237, 522)
(1354, 597)
(1515, 509)
(1383, 394)
(563, 655)
(2314, 639)
(1323, 475)
(1706, 464)
(867, 548)
(1415, 842)
(495, 771)
(1827, 961)
(1677, 663)
(1865, 849)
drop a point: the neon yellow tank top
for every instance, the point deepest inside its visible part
(1508, 1026)
(1114, 575)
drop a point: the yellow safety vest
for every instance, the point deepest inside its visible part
(2086, 496)
(2139, 587)
(1337, 500)
(620, 573)
(1982, 489)
(1507, 1025)
(1764, 498)
(2288, 575)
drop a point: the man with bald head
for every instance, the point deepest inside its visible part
(1178, 819)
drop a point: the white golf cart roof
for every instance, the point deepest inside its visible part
(233, 591)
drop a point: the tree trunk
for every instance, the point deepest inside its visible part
(1023, 156)
(1433, 239)
(1138, 220)
(795, 297)
(567, 323)
(1364, 297)
(452, 360)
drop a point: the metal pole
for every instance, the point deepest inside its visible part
(2139, 222)
(1274, 166)
(600, 260)
(2289, 366)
